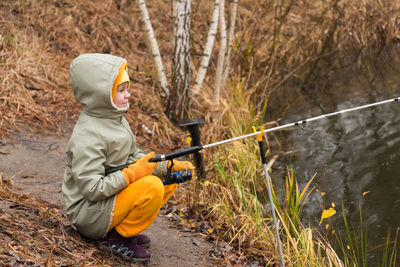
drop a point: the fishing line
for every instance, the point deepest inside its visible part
(302, 122)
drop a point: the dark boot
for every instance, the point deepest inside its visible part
(117, 244)
(141, 240)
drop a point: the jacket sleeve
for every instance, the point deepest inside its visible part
(88, 167)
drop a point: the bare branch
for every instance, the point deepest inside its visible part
(153, 46)
(205, 60)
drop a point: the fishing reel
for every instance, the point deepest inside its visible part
(176, 177)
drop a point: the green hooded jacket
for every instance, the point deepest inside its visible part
(101, 138)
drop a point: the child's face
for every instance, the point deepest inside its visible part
(122, 96)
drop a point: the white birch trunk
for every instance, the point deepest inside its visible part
(178, 102)
(230, 40)
(222, 50)
(153, 46)
(205, 60)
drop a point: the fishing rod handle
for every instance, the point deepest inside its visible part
(118, 168)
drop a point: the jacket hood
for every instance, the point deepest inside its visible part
(92, 77)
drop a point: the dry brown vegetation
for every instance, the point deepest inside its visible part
(278, 45)
(297, 48)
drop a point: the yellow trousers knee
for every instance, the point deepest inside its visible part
(137, 206)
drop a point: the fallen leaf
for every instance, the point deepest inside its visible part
(188, 140)
(366, 192)
(327, 213)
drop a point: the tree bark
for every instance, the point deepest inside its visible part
(178, 102)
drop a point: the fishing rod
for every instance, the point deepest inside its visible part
(194, 149)
(302, 122)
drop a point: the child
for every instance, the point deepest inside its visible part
(112, 209)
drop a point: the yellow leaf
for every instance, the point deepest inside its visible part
(323, 194)
(317, 190)
(333, 205)
(327, 213)
(210, 230)
(188, 140)
(333, 232)
(327, 226)
(348, 247)
(366, 192)
(207, 183)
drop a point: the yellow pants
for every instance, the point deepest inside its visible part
(137, 206)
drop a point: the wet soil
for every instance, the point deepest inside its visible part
(35, 163)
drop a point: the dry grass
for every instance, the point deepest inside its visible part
(35, 232)
(39, 39)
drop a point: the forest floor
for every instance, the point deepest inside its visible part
(32, 217)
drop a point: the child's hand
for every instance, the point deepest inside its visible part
(142, 167)
(181, 166)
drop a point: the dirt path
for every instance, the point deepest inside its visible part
(36, 163)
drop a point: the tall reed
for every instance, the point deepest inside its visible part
(354, 249)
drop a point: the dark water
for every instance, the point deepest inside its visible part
(353, 153)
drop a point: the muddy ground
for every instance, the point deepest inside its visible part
(35, 164)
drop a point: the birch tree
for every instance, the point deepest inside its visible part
(205, 59)
(155, 51)
(177, 100)
(222, 49)
(224, 55)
